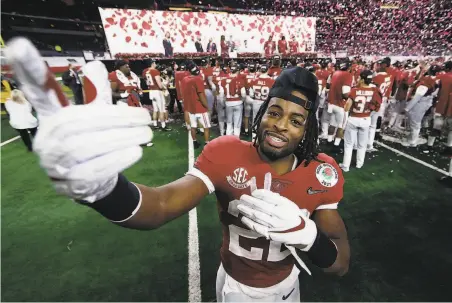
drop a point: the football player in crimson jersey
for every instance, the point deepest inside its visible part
(269, 46)
(259, 89)
(340, 86)
(125, 85)
(194, 96)
(383, 80)
(282, 45)
(155, 86)
(220, 105)
(322, 75)
(209, 86)
(178, 78)
(443, 107)
(362, 100)
(275, 70)
(232, 91)
(419, 104)
(293, 46)
(248, 102)
(257, 258)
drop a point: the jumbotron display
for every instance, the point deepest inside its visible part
(144, 31)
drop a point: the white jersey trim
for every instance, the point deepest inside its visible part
(328, 206)
(199, 174)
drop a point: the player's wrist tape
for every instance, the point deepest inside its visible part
(121, 204)
(323, 252)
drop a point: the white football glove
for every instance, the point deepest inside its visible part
(84, 147)
(276, 217)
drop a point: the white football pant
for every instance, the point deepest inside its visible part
(158, 100)
(415, 116)
(210, 99)
(440, 123)
(221, 113)
(230, 290)
(203, 119)
(337, 115)
(248, 107)
(234, 119)
(324, 122)
(395, 116)
(356, 133)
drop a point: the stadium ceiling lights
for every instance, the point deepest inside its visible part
(180, 9)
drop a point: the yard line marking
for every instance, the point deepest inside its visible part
(194, 269)
(413, 158)
(9, 141)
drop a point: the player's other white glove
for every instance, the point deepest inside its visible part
(84, 147)
(277, 218)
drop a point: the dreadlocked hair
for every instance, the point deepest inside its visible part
(308, 148)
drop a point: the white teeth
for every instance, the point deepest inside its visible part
(276, 139)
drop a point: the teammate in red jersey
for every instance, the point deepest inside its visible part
(125, 85)
(249, 75)
(419, 104)
(259, 90)
(155, 86)
(220, 105)
(195, 98)
(340, 86)
(293, 45)
(322, 75)
(302, 196)
(269, 46)
(443, 108)
(178, 78)
(232, 92)
(209, 86)
(275, 70)
(384, 81)
(362, 100)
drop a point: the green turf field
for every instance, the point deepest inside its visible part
(397, 214)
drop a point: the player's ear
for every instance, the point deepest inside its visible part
(96, 87)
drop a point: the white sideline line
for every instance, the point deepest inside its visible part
(413, 158)
(194, 270)
(9, 141)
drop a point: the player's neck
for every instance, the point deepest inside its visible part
(281, 166)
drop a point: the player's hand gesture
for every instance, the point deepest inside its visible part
(276, 217)
(84, 147)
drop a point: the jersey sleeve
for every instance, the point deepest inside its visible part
(209, 164)
(335, 193)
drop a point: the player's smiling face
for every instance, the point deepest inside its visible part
(282, 127)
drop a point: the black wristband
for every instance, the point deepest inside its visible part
(122, 203)
(323, 252)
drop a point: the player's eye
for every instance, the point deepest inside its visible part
(297, 123)
(273, 114)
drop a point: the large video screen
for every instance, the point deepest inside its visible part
(143, 31)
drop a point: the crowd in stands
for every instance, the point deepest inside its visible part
(363, 27)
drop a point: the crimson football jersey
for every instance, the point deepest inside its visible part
(322, 76)
(365, 100)
(191, 87)
(133, 85)
(444, 105)
(247, 256)
(274, 71)
(261, 88)
(206, 72)
(427, 81)
(293, 46)
(339, 79)
(149, 74)
(231, 88)
(178, 77)
(384, 82)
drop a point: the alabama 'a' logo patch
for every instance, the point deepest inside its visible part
(239, 178)
(327, 175)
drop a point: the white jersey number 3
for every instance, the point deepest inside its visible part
(274, 250)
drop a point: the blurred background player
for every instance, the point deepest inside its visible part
(419, 104)
(363, 100)
(179, 75)
(384, 81)
(248, 76)
(125, 85)
(209, 86)
(275, 70)
(155, 86)
(196, 101)
(259, 90)
(340, 86)
(231, 91)
(220, 104)
(443, 109)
